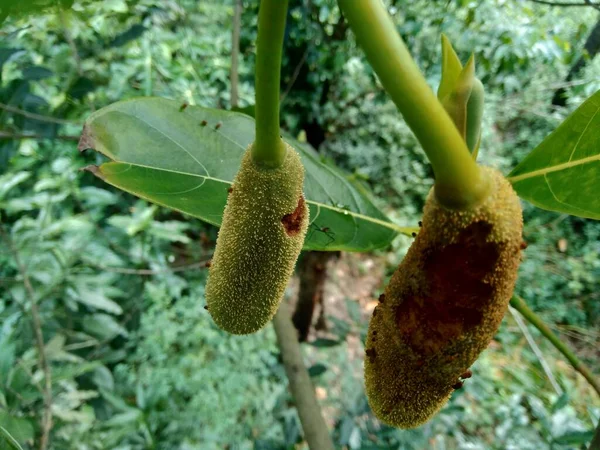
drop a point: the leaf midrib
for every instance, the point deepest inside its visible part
(557, 168)
(390, 225)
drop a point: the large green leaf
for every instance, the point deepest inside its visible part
(185, 158)
(563, 172)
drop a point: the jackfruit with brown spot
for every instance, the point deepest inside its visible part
(443, 304)
(261, 235)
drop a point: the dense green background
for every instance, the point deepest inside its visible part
(136, 362)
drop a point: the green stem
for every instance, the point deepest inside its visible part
(459, 182)
(519, 304)
(268, 149)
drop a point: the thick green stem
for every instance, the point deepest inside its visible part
(519, 304)
(459, 182)
(268, 149)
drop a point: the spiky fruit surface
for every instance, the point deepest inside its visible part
(443, 305)
(263, 229)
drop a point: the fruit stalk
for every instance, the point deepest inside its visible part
(459, 182)
(268, 148)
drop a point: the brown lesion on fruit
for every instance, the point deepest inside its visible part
(447, 301)
(230, 189)
(371, 354)
(292, 222)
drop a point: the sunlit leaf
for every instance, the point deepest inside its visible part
(563, 172)
(185, 158)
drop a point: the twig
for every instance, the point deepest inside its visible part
(39, 339)
(294, 77)
(519, 304)
(536, 350)
(316, 433)
(70, 41)
(37, 136)
(235, 51)
(566, 4)
(35, 116)
(129, 271)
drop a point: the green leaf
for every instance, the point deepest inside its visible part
(186, 160)
(7, 441)
(563, 172)
(19, 428)
(317, 369)
(324, 343)
(574, 437)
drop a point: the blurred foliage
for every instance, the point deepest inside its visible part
(135, 360)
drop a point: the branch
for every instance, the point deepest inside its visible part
(39, 339)
(37, 136)
(294, 77)
(536, 350)
(235, 51)
(70, 41)
(567, 4)
(35, 116)
(519, 304)
(128, 271)
(316, 433)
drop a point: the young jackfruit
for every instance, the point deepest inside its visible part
(261, 235)
(443, 304)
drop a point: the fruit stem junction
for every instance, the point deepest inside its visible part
(459, 182)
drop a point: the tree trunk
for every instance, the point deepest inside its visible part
(312, 271)
(591, 48)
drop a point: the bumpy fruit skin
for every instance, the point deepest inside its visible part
(443, 305)
(261, 235)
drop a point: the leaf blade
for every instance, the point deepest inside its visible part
(186, 160)
(563, 172)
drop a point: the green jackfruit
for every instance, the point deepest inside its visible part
(443, 304)
(261, 235)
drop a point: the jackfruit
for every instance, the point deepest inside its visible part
(261, 235)
(443, 304)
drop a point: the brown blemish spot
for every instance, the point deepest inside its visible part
(381, 298)
(206, 307)
(230, 189)
(182, 107)
(457, 385)
(293, 222)
(523, 245)
(203, 123)
(466, 374)
(208, 263)
(371, 354)
(375, 312)
(450, 303)
(413, 234)
(218, 125)
(86, 140)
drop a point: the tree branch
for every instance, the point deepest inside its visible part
(519, 304)
(35, 116)
(316, 433)
(567, 4)
(536, 350)
(37, 136)
(235, 51)
(39, 340)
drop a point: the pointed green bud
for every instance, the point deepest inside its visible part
(461, 94)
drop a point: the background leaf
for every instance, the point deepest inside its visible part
(563, 172)
(186, 159)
